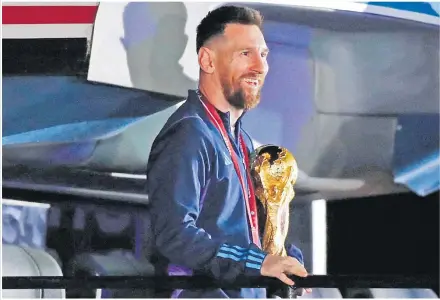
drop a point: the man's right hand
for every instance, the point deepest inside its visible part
(281, 266)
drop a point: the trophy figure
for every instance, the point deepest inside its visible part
(274, 171)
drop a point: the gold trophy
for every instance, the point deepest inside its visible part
(274, 171)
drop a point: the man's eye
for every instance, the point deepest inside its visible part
(246, 53)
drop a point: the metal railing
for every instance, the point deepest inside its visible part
(193, 282)
(204, 282)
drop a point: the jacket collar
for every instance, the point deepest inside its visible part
(193, 97)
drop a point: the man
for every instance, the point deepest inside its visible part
(202, 204)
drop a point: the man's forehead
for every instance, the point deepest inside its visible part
(246, 36)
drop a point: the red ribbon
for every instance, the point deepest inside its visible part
(249, 195)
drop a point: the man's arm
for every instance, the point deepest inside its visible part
(179, 168)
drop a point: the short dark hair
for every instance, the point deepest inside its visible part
(215, 22)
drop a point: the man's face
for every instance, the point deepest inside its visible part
(241, 65)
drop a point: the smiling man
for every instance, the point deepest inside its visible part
(203, 207)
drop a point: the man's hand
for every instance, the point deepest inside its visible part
(281, 266)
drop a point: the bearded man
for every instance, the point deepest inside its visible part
(203, 207)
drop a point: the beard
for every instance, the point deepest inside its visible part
(238, 98)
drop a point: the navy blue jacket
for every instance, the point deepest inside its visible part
(197, 206)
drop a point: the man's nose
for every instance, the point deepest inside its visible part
(260, 65)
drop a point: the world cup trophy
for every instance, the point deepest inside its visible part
(274, 171)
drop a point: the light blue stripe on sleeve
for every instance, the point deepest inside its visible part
(253, 258)
(225, 249)
(257, 254)
(239, 248)
(253, 266)
(258, 260)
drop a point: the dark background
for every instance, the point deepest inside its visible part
(396, 234)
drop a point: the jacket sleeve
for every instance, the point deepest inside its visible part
(295, 252)
(178, 170)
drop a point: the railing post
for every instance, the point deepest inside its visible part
(282, 291)
(290, 293)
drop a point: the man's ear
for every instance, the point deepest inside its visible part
(206, 60)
